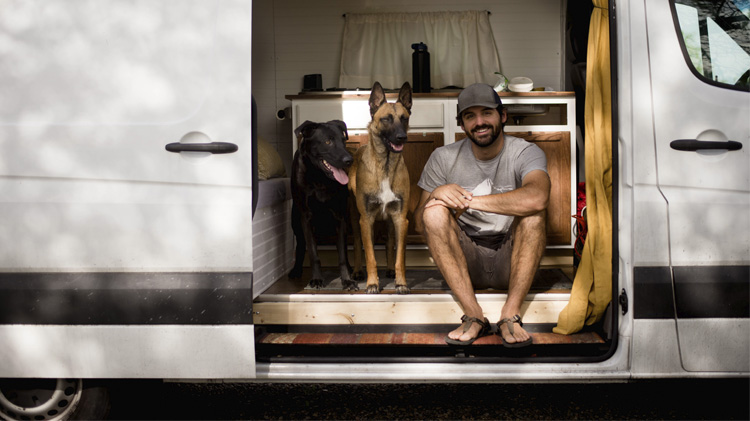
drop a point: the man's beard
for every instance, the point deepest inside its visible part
(486, 141)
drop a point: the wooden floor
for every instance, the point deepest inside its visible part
(434, 338)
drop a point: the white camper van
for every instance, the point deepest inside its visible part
(137, 241)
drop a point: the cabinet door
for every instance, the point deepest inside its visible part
(416, 153)
(556, 145)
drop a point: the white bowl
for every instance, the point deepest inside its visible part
(521, 84)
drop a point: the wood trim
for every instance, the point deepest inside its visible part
(396, 312)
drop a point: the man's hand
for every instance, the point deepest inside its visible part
(451, 196)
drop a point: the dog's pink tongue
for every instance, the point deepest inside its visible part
(340, 175)
(397, 148)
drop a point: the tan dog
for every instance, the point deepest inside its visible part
(379, 183)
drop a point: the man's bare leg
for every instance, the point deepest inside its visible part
(441, 232)
(529, 240)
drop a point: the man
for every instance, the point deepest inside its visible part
(482, 211)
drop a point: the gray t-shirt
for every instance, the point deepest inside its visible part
(456, 164)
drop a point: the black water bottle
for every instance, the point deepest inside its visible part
(420, 68)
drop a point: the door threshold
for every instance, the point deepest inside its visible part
(422, 342)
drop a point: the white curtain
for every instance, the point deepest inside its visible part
(377, 47)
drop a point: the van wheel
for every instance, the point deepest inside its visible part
(52, 399)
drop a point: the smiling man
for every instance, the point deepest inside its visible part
(483, 212)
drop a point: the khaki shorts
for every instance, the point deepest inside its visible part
(488, 268)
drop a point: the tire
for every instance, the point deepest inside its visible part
(52, 399)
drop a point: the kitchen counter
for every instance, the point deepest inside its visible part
(436, 94)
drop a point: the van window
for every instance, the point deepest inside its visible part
(716, 40)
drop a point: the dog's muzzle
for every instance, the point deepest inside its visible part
(397, 145)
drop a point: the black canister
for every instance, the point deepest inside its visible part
(420, 68)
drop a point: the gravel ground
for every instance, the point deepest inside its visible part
(672, 399)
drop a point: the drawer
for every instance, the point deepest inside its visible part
(356, 114)
(426, 115)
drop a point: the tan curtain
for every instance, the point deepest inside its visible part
(377, 47)
(592, 286)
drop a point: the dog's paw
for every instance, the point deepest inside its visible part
(373, 289)
(358, 275)
(390, 273)
(315, 283)
(295, 273)
(350, 286)
(402, 289)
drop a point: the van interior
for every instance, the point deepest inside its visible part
(296, 323)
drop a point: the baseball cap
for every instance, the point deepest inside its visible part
(477, 94)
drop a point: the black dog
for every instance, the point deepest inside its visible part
(319, 193)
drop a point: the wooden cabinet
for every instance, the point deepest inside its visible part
(545, 118)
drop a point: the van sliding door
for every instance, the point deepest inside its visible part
(701, 104)
(125, 185)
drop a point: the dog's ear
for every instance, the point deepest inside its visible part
(377, 98)
(304, 129)
(404, 96)
(341, 125)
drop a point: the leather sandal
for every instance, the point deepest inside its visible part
(510, 321)
(484, 331)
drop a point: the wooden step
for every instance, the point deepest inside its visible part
(441, 308)
(291, 302)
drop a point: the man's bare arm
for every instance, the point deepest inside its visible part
(529, 199)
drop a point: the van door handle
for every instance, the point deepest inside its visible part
(699, 145)
(213, 147)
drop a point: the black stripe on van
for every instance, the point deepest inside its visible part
(126, 298)
(652, 293)
(712, 291)
(699, 292)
